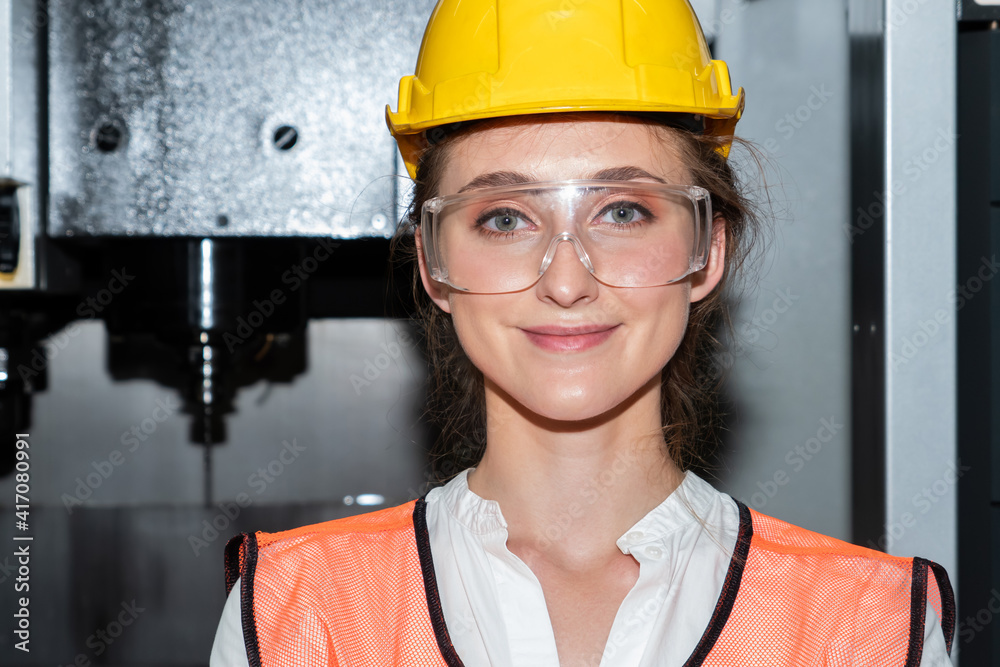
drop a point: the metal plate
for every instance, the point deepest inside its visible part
(196, 90)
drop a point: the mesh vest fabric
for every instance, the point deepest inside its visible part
(361, 592)
(807, 599)
(348, 592)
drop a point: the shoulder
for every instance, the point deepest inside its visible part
(798, 563)
(848, 600)
(780, 537)
(362, 527)
(302, 590)
(824, 569)
(365, 545)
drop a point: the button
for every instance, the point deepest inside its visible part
(634, 536)
(656, 553)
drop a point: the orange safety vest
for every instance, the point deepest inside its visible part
(361, 591)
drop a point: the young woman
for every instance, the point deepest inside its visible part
(574, 224)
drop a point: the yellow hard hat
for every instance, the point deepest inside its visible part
(490, 58)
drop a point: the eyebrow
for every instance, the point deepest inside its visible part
(498, 178)
(627, 173)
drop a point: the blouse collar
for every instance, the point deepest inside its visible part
(693, 498)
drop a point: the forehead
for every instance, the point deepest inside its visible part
(554, 148)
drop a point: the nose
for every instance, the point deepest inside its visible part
(567, 272)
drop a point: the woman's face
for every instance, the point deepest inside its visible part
(510, 337)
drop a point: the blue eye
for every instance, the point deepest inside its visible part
(625, 213)
(622, 214)
(505, 222)
(501, 220)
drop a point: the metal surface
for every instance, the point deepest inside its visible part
(978, 376)
(355, 411)
(790, 367)
(902, 227)
(920, 275)
(26, 35)
(6, 84)
(165, 115)
(865, 228)
(21, 32)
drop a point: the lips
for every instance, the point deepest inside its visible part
(557, 330)
(557, 338)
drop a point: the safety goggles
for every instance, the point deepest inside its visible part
(626, 233)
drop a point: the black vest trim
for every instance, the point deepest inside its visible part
(918, 611)
(920, 567)
(730, 588)
(947, 602)
(430, 586)
(241, 562)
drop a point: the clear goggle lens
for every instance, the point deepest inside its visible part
(626, 233)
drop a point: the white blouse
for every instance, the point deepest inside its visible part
(495, 609)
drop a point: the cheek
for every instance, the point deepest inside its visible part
(476, 325)
(660, 334)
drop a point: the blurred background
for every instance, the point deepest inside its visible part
(199, 334)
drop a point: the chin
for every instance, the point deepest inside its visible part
(569, 404)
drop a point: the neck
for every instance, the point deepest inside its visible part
(569, 490)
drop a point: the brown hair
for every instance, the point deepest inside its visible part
(691, 380)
